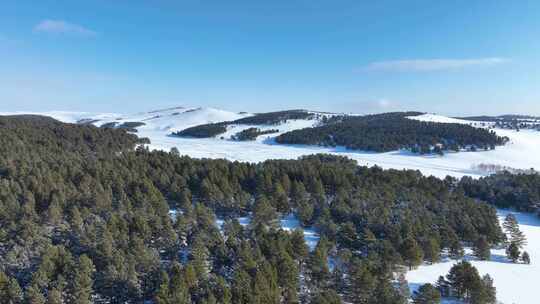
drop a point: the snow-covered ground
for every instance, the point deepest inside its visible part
(522, 152)
(287, 223)
(515, 283)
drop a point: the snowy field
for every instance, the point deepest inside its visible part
(515, 283)
(522, 152)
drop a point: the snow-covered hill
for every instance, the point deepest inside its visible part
(522, 152)
(444, 119)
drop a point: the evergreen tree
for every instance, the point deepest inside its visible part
(481, 248)
(55, 296)
(264, 214)
(443, 286)
(318, 266)
(456, 249)
(241, 288)
(326, 297)
(427, 294)
(178, 289)
(12, 293)
(512, 252)
(525, 258)
(432, 250)
(82, 281)
(34, 295)
(515, 235)
(362, 283)
(162, 294)
(411, 253)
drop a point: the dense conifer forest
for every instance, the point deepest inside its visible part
(506, 190)
(203, 131)
(393, 131)
(252, 134)
(85, 217)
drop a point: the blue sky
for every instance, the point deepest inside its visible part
(449, 57)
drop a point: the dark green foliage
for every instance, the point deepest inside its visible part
(427, 294)
(512, 252)
(506, 190)
(392, 131)
(74, 199)
(274, 118)
(525, 258)
(513, 233)
(271, 118)
(252, 134)
(412, 253)
(481, 248)
(326, 297)
(131, 126)
(465, 283)
(203, 131)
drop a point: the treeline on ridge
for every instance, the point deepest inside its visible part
(252, 134)
(393, 131)
(84, 217)
(506, 190)
(270, 118)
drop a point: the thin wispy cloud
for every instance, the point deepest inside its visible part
(426, 65)
(63, 27)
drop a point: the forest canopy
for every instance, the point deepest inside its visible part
(85, 216)
(393, 131)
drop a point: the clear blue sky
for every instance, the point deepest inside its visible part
(450, 57)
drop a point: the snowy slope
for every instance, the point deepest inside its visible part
(172, 119)
(439, 118)
(515, 283)
(522, 152)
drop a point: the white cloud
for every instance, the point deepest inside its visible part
(423, 65)
(62, 27)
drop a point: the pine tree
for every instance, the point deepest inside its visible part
(511, 227)
(288, 277)
(241, 288)
(318, 266)
(455, 248)
(411, 253)
(264, 214)
(525, 258)
(82, 281)
(162, 294)
(54, 296)
(432, 250)
(443, 286)
(427, 294)
(33, 295)
(222, 291)
(481, 248)
(10, 290)
(512, 252)
(326, 297)
(178, 291)
(362, 283)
